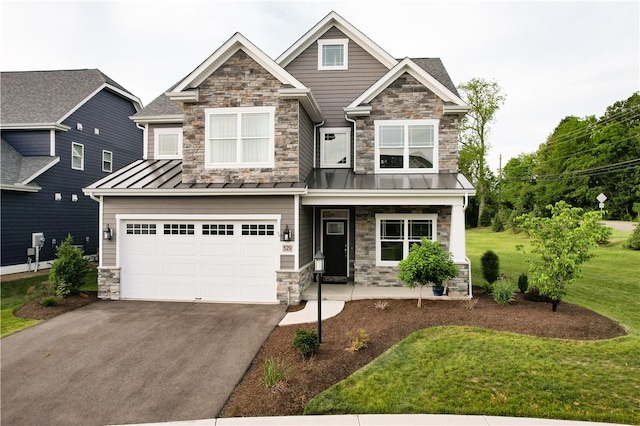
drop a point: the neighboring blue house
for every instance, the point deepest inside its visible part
(61, 130)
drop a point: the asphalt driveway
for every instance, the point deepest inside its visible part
(116, 362)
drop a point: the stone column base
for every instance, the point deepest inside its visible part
(109, 282)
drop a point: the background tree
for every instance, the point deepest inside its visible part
(485, 98)
(561, 243)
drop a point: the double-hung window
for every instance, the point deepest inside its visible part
(167, 143)
(333, 54)
(77, 156)
(334, 147)
(396, 233)
(239, 137)
(406, 146)
(107, 161)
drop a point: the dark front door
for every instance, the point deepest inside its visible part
(334, 240)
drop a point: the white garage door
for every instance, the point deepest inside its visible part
(227, 261)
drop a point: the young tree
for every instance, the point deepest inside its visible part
(426, 263)
(485, 98)
(69, 268)
(562, 244)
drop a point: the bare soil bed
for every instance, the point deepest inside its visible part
(34, 310)
(385, 328)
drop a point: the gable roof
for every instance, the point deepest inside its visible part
(335, 20)
(18, 172)
(161, 109)
(44, 99)
(453, 102)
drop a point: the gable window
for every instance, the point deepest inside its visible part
(239, 137)
(107, 161)
(333, 54)
(334, 147)
(406, 146)
(77, 156)
(168, 143)
(396, 233)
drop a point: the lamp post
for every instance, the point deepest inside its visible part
(318, 260)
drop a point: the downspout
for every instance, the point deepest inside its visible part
(100, 222)
(145, 145)
(315, 142)
(464, 208)
(354, 139)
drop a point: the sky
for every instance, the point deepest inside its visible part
(552, 59)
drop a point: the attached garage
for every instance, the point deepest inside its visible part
(217, 260)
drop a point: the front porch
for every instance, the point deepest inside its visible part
(350, 291)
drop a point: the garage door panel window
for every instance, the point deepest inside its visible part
(179, 229)
(396, 233)
(258, 229)
(141, 229)
(217, 229)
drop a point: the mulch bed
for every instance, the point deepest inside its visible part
(34, 310)
(385, 328)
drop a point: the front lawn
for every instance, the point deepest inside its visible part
(462, 370)
(13, 294)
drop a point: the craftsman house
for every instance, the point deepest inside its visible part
(253, 164)
(61, 130)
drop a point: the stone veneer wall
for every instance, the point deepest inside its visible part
(291, 284)
(366, 273)
(241, 82)
(407, 99)
(109, 282)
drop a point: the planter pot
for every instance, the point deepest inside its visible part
(438, 291)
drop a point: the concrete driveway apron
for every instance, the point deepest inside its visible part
(116, 362)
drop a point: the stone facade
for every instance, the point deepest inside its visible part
(109, 283)
(291, 284)
(407, 99)
(241, 82)
(366, 273)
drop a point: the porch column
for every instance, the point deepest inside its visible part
(457, 244)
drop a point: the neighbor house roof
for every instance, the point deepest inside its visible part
(44, 99)
(17, 172)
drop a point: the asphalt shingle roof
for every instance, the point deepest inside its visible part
(15, 168)
(34, 97)
(437, 70)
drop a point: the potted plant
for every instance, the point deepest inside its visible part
(427, 263)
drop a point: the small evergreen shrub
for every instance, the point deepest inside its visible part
(523, 283)
(485, 218)
(490, 266)
(275, 373)
(633, 242)
(497, 224)
(359, 340)
(306, 342)
(70, 266)
(503, 291)
(49, 300)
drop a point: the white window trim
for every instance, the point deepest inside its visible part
(239, 110)
(405, 239)
(334, 41)
(73, 144)
(156, 142)
(434, 122)
(110, 161)
(347, 131)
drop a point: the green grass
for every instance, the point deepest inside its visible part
(463, 370)
(13, 295)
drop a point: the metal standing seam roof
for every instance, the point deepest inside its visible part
(36, 97)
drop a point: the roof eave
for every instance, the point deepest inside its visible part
(151, 119)
(20, 188)
(306, 99)
(35, 126)
(192, 192)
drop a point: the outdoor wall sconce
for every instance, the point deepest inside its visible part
(318, 269)
(286, 234)
(57, 196)
(107, 233)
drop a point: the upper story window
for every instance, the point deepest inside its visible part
(333, 54)
(406, 146)
(168, 143)
(334, 147)
(107, 161)
(239, 137)
(77, 156)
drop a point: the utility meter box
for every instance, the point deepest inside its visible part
(37, 239)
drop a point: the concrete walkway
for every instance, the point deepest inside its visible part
(620, 225)
(383, 420)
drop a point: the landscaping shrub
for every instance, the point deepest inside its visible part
(69, 267)
(490, 266)
(485, 218)
(503, 291)
(523, 283)
(359, 340)
(306, 342)
(381, 304)
(633, 242)
(497, 224)
(533, 295)
(275, 373)
(49, 300)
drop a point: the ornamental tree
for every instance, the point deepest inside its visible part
(562, 244)
(426, 263)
